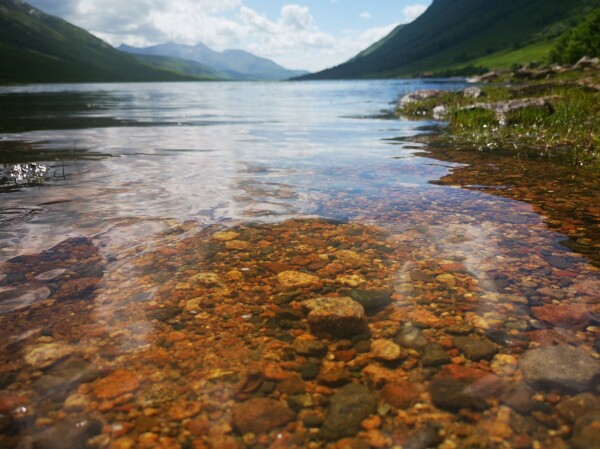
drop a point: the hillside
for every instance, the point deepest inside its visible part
(233, 64)
(456, 34)
(36, 47)
(184, 67)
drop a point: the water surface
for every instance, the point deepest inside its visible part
(153, 278)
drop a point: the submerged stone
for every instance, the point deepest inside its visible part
(339, 317)
(411, 338)
(296, 279)
(586, 432)
(563, 367)
(260, 415)
(454, 394)
(386, 350)
(68, 434)
(349, 406)
(372, 300)
(44, 355)
(434, 355)
(475, 348)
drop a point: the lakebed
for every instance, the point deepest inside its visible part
(201, 271)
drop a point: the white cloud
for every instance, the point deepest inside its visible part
(413, 11)
(364, 15)
(293, 39)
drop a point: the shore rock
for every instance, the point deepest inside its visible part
(339, 317)
(349, 406)
(563, 367)
(260, 415)
(502, 108)
(419, 95)
(472, 92)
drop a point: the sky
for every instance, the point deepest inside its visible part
(306, 34)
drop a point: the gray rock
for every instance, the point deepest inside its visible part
(434, 355)
(418, 95)
(68, 434)
(586, 432)
(411, 338)
(440, 112)
(563, 367)
(372, 300)
(502, 108)
(454, 394)
(349, 406)
(587, 63)
(475, 348)
(485, 78)
(472, 92)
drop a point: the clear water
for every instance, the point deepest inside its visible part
(111, 266)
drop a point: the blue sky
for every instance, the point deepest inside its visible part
(310, 34)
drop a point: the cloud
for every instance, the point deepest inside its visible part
(364, 15)
(411, 12)
(292, 39)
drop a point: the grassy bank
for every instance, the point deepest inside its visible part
(558, 116)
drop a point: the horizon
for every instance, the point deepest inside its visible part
(311, 35)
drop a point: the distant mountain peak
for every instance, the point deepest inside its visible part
(233, 64)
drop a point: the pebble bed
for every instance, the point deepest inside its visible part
(441, 332)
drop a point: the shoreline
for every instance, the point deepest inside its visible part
(550, 112)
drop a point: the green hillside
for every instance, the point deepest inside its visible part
(456, 34)
(36, 47)
(183, 67)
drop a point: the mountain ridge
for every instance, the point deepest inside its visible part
(232, 64)
(37, 47)
(452, 34)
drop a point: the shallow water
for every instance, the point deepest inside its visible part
(130, 319)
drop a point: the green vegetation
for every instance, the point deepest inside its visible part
(566, 126)
(36, 47)
(583, 40)
(455, 35)
(183, 67)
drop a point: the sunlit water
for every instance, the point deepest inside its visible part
(140, 177)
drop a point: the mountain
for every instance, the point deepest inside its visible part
(37, 48)
(233, 64)
(184, 67)
(456, 34)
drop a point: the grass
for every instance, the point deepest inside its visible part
(538, 52)
(570, 131)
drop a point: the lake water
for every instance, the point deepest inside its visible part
(154, 274)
